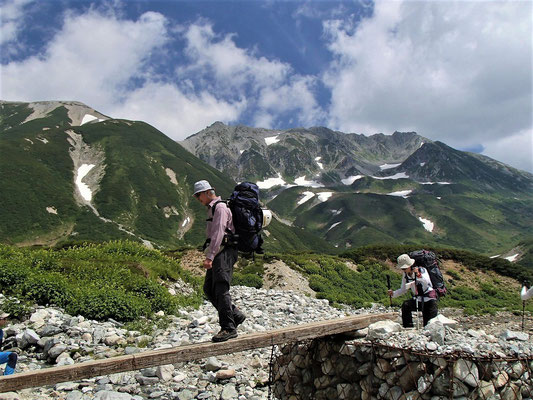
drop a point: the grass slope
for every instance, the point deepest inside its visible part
(135, 193)
(486, 222)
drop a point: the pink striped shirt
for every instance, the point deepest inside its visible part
(217, 227)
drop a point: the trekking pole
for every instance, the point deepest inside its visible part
(523, 313)
(416, 302)
(388, 286)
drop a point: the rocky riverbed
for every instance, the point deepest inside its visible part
(51, 337)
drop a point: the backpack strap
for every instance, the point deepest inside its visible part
(213, 208)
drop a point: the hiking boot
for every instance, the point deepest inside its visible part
(238, 319)
(224, 335)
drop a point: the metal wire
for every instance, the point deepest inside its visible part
(332, 368)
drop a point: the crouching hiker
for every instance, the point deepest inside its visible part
(6, 357)
(220, 256)
(424, 297)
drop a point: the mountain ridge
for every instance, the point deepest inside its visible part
(103, 180)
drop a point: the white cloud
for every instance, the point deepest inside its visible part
(98, 68)
(93, 68)
(174, 113)
(232, 66)
(459, 72)
(271, 86)
(505, 149)
(12, 22)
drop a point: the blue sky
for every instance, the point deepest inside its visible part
(455, 71)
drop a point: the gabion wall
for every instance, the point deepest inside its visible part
(336, 369)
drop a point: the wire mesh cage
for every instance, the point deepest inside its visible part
(330, 368)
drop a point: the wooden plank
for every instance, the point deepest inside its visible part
(89, 369)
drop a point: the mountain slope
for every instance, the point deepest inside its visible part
(400, 188)
(316, 154)
(104, 179)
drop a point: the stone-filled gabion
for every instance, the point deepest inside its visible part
(332, 368)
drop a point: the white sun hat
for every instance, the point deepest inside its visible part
(201, 186)
(404, 261)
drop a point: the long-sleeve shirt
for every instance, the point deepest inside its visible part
(408, 282)
(216, 228)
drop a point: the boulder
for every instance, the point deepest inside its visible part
(382, 329)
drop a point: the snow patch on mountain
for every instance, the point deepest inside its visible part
(89, 118)
(84, 189)
(401, 193)
(271, 182)
(324, 196)
(271, 140)
(428, 225)
(89, 169)
(307, 196)
(334, 225)
(351, 179)
(399, 175)
(389, 166)
(302, 181)
(513, 257)
(320, 165)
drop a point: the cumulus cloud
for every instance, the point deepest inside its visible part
(111, 69)
(93, 68)
(272, 88)
(12, 21)
(174, 113)
(459, 72)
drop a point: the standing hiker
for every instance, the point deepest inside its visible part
(424, 297)
(220, 256)
(6, 357)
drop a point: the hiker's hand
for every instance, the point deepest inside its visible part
(208, 264)
(390, 292)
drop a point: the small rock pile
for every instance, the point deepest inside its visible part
(389, 362)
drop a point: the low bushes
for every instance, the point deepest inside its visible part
(119, 280)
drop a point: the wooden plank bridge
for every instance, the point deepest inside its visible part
(94, 368)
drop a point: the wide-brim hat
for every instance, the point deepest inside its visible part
(201, 186)
(404, 261)
(4, 315)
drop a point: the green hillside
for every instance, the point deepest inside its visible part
(462, 217)
(142, 191)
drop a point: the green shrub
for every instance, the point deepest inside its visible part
(47, 289)
(18, 309)
(250, 280)
(455, 275)
(104, 304)
(117, 280)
